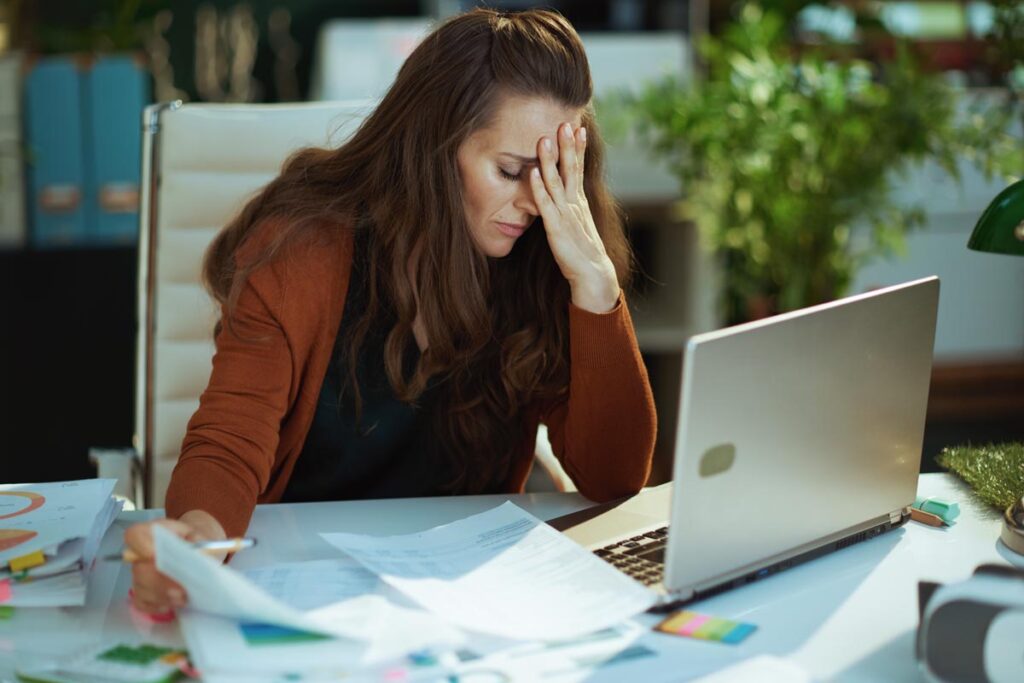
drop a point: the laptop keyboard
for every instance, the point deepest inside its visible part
(642, 557)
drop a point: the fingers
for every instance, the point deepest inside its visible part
(581, 152)
(547, 153)
(546, 205)
(568, 161)
(139, 537)
(152, 592)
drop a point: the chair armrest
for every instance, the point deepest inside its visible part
(547, 474)
(123, 465)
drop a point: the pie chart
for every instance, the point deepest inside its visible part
(10, 538)
(34, 501)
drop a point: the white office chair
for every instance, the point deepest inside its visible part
(201, 162)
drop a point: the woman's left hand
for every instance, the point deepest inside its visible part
(572, 235)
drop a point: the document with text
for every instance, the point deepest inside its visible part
(344, 601)
(502, 572)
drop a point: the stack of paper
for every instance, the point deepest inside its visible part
(504, 573)
(481, 586)
(49, 536)
(347, 626)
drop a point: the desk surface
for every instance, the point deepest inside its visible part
(849, 616)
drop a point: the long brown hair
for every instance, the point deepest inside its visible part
(498, 329)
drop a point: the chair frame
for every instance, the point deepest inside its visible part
(144, 365)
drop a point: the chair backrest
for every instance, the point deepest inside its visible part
(200, 164)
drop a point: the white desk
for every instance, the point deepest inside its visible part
(850, 616)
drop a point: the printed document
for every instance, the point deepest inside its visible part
(49, 539)
(42, 516)
(502, 572)
(371, 619)
(310, 584)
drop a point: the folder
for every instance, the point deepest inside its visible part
(117, 90)
(12, 186)
(58, 207)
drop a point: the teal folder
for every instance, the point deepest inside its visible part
(59, 210)
(117, 90)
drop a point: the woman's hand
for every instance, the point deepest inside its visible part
(572, 235)
(152, 592)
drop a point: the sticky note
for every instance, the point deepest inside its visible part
(6, 611)
(5, 590)
(27, 561)
(703, 627)
(141, 654)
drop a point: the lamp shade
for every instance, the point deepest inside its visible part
(1001, 227)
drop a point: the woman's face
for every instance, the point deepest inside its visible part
(494, 164)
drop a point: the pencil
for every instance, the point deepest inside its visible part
(228, 545)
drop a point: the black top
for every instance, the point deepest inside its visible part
(389, 453)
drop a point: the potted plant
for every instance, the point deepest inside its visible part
(786, 157)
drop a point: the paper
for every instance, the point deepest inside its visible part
(385, 630)
(108, 663)
(215, 589)
(217, 644)
(572, 660)
(66, 589)
(315, 583)
(320, 587)
(49, 535)
(39, 516)
(502, 572)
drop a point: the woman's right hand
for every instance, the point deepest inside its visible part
(153, 592)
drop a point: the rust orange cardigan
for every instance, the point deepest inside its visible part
(243, 441)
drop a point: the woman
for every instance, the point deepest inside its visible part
(399, 314)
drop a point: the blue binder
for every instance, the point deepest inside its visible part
(58, 204)
(117, 91)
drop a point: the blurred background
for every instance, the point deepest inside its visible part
(767, 156)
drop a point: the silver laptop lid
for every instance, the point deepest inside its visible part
(798, 426)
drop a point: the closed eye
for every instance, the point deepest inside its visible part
(508, 176)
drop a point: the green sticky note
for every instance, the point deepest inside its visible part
(6, 611)
(139, 654)
(714, 629)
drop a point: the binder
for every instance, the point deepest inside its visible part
(12, 186)
(58, 206)
(117, 90)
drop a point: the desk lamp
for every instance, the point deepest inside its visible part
(1001, 230)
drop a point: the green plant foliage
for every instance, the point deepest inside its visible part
(995, 472)
(1006, 41)
(68, 26)
(786, 159)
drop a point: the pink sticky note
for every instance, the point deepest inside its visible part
(5, 590)
(693, 624)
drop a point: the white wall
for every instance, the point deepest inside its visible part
(981, 305)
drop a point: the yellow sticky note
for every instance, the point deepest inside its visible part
(27, 561)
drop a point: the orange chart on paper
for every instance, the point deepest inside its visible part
(35, 501)
(10, 538)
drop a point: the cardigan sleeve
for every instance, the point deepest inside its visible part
(286, 316)
(603, 433)
(229, 449)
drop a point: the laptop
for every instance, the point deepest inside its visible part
(798, 435)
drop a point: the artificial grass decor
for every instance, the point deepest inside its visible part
(994, 471)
